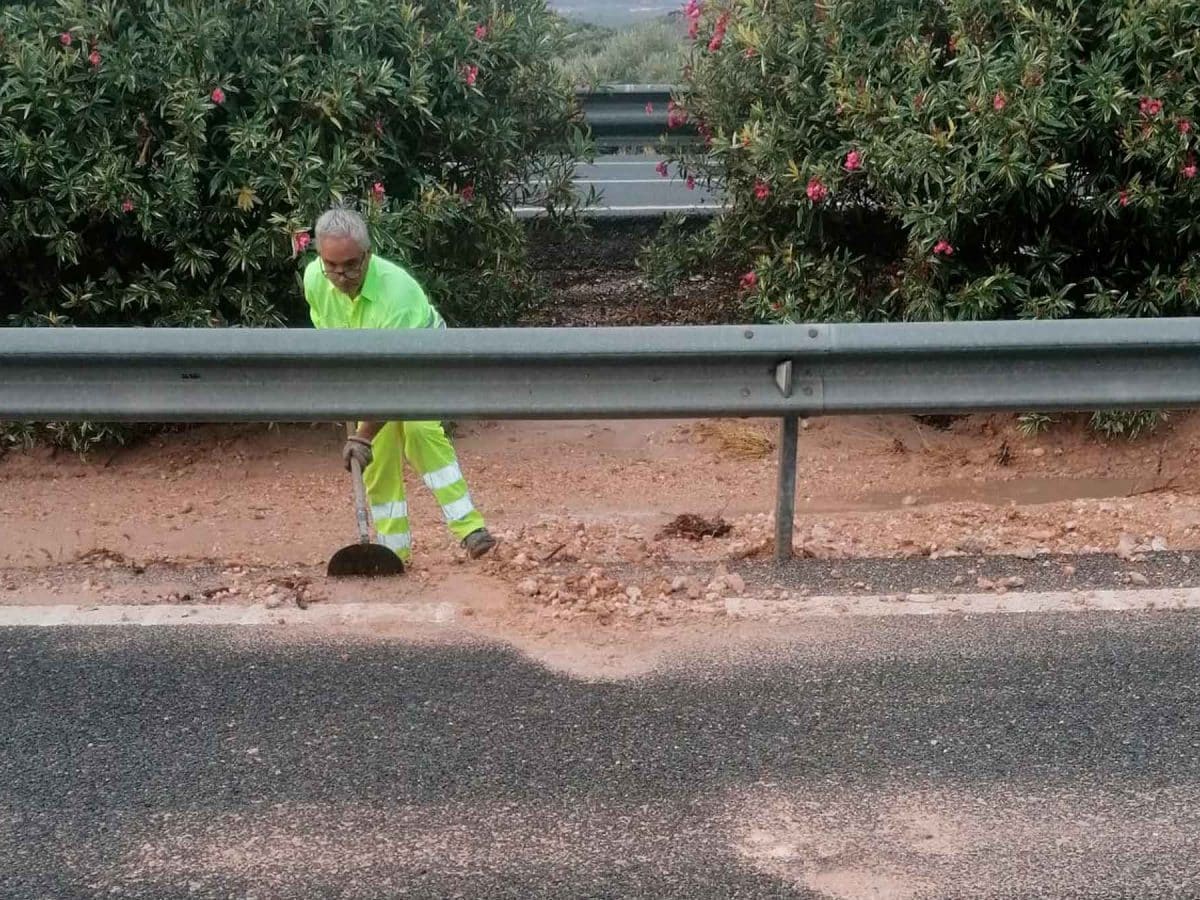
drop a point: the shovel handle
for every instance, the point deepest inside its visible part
(360, 495)
(360, 503)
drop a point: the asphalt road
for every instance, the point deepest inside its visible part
(986, 756)
(630, 187)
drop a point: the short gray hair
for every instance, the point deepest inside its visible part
(343, 223)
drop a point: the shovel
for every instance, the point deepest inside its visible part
(363, 559)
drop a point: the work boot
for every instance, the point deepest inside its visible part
(478, 543)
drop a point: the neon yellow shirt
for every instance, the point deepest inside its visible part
(389, 298)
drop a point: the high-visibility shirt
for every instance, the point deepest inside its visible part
(389, 298)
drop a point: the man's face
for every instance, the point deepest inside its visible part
(344, 264)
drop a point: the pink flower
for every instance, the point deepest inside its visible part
(94, 59)
(218, 96)
(470, 73)
(661, 168)
(749, 52)
(1123, 198)
(481, 32)
(300, 241)
(816, 190)
(999, 101)
(692, 9)
(718, 37)
(762, 190)
(749, 280)
(1189, 170)
(1150, 106)
(1185, 126)
(694, 29)
(65, 39)
(379, 127)
(853, 161)
(691, 182)
(943, 248)
(378, 192)
(952, 45)
(126, 205)
(649, 109)
(468, 192)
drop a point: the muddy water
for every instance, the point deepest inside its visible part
(1018, 491)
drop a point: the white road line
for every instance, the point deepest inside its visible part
(654, 206)
(673, 182)
(351, 614)
(638, 162)
(599, 210)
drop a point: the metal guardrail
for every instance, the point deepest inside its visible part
(785, 371)
(618, 113)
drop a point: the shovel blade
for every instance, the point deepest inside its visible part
(364, 561)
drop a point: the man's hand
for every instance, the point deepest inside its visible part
(357, 448)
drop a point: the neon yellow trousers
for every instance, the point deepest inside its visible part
(426, 447)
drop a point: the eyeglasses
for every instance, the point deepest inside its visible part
(346, 270)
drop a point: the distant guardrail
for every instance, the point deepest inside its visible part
(629, 113)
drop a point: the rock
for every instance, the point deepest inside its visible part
(1038, 452)
(717, 587)
(1026, 553)
(1013, 581)
(1070, 525)
(957, 580)
(1158, 544)
(694, 591)
(1137, 578)
(736, 583)
(973, 545)
(1068, 571)
(1043, 534)
(740, 606)
(821, 533)
(985, 584)
(633, 593)
(909, 500)
(529, 587)
(1126, 545)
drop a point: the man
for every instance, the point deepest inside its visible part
(349, 287)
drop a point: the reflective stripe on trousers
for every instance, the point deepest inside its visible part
(425, 445)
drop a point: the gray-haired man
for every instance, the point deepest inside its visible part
(349, 287)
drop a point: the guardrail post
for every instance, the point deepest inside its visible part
(785, 500)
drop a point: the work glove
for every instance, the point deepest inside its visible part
(357, 448)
